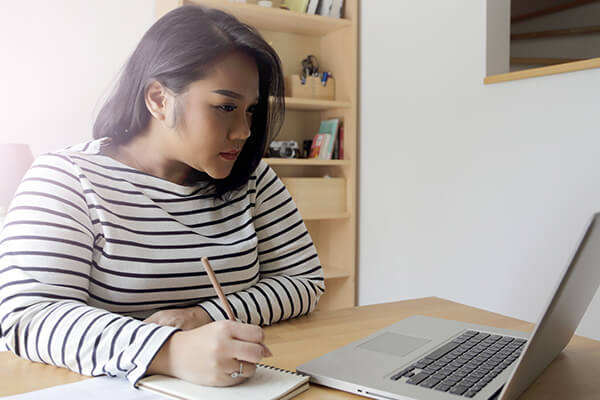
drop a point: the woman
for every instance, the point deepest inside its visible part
(100, 253)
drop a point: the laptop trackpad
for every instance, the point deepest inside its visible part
(394, 344)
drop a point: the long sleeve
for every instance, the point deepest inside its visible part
(291, 277)
(46, 263)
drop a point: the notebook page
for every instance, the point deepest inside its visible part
(267, 383)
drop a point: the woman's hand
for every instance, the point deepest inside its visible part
(210, 354)
(182, 318)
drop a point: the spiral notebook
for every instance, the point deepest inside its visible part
(268, 383)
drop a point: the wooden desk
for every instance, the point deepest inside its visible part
(573, 375)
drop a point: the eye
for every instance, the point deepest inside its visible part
(227, 108)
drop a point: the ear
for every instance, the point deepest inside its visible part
(161, 103)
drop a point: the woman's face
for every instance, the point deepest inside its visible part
(215, 115)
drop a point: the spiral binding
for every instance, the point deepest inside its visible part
(281, 370)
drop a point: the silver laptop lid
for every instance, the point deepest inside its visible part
(566, 307)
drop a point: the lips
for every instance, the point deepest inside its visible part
(229, 155)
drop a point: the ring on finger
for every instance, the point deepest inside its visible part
(237, 374)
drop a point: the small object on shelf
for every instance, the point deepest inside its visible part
(340, 143)
(324, 78)
(313, 87)
(312, 7)
(265, 3)
(325, 7)
(330, 127)
(330, 8)
(284, 149)
(319, 146)
(336, 9)
(310, 67)
(306, 145)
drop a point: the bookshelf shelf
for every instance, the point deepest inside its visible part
(327, 204)
(296, 103)
(321, 217)
(335, 273)
(275, 19)
(307, 162)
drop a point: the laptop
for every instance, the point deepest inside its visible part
(428, 358)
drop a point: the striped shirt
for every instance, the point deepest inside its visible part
(90, 247)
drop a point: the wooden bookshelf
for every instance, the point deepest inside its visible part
(307, 162)
(325, 191)
(292, 103)
(268, 19)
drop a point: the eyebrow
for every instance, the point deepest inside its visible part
(232, 94)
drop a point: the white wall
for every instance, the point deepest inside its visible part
(59, 58)
(471, 192)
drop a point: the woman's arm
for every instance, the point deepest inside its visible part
(45, 265)
(291, 276)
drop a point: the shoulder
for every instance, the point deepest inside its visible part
(263, 173)
(64, 162)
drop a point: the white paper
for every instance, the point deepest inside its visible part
(101, 388)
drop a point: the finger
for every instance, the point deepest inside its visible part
(250, 352)
(246, 332)
(266, 351)
(153, 319)
(247, 369)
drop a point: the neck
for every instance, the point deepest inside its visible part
(148, 154)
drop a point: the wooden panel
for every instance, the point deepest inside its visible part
(339, 293)
(335, 273)
(275, 19)
(551, 70)
(292, 103)
(318, 197)
(306, 162)
(311, 89)
(292, 48)
(328, 206)
(299, 126)
(573, 375)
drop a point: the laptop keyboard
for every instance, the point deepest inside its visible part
(465, 365)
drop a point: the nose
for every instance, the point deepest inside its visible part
(241, 128)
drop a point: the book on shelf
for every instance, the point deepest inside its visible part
(325, 7)
(295, 5)
(330, 127)
(336, 147)
(313, 6)
(267, 383)
(340, 142)
(319, 146)
(336, 8)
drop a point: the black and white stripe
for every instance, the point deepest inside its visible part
(90, 247)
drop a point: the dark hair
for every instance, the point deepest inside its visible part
(176, 51)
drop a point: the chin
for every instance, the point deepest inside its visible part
(219, 173)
